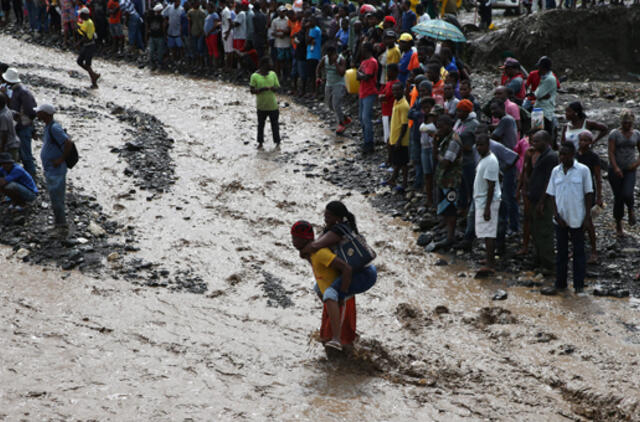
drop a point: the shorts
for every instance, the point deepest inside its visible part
(25, 194)
(361, 281)
(427, 161)
(385, 128)
(227, 43)
(399, 156)
(174, 42)
(86, 54)
(212, 45)
(115, 29)
(447, 202)
(487, 229)
(283, 54)
(238, 44)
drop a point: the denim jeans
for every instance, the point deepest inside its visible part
(361, 281)
(156, 49)
(32, 14)
(135, 31)
(562, 256)
(26, 156)
(56, 185)
(42, 18)
(275, 125)
(25, 194)
(509, 186)
(415, 152)
(622, 191)
(466, 188)
(365, 111)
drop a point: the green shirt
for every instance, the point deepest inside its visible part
(265, 101)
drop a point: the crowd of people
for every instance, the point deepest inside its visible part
(501, 166)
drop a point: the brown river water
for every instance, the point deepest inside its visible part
(82, 348)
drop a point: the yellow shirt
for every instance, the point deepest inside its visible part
(399, 117)
(324, 274)
(393, 55)
(87, 29)
(414, 3)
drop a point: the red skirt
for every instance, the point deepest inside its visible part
(348, 317)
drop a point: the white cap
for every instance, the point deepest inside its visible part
(429, 128)
(158, 7)
(11, 76)
(84, 10)
(46, 108)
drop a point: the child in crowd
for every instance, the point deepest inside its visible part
(399, 137)
(386, 104)
(590, 159)
(115, 25)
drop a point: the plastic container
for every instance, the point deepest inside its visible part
(351, 81)
(537, 118)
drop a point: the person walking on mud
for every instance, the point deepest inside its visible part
(87, 31)
(263, 85)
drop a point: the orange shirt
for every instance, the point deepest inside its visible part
(114, 11)
(413, 96)
(294, 27)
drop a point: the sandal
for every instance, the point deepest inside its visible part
(334, 344)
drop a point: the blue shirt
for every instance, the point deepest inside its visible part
(403, 66)
(19, 175)
(314, 50)
(343, 37)
(408, 20)
(209, 22)
(53, 139)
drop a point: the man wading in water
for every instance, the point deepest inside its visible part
(87, 31)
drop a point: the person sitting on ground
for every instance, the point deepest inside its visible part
(87, 30)
(16, 183)
(399, 138)
(590, 159)
(9, 141)
(577, 123)
(571, 192)
(486, 196)
(624, 145)
(263, 85)
(56, 147)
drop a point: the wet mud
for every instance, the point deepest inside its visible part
(433, 345)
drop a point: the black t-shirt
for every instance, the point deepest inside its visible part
(156, 26)
(301, 46)
(591, 160)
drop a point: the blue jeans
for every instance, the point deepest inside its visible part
(26, 156)
(156, 49)
(415, 152)
(25, 194)
(466, 187)
(42, 18)
(361, 281)
(562, 256)
(509, 185)
(135, 31)
(365, 112)
(32, 12)
(56, 185)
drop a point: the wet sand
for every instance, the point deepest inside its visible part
(100, 348)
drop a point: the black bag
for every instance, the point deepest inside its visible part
(353, 249)
(73, 157)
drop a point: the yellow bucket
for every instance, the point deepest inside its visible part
(351, 81)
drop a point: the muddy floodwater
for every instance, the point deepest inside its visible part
(433, 344)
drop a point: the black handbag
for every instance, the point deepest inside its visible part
(73, 157)
(353, 248)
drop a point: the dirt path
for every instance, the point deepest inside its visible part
(433, 346)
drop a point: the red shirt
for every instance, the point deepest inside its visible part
(368, 87)
(387, 102)
(114, 11)
(533, 80)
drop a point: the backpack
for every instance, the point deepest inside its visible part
(73, 157)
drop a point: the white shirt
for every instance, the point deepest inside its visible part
(424, 18)
(240, 31)
(280, 24)
(569, 190)
(488, 170)
(225, 17)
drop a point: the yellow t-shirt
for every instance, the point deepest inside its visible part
(399, 117)
(393, 55)
(324, 274)
(414, 3)
(87, 29)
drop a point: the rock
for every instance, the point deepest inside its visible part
(441, 309)
(610, 291)
(424, 239)
(113, 256)
(96, 230)
(22, 253)
(500, 295)
(441, 262)
(431, 247)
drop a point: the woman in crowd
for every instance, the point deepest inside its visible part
(624, 145)
(577, 123)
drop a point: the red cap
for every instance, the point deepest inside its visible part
(303, 230)
(390, 19)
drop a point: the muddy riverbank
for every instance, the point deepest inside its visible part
(434, 346)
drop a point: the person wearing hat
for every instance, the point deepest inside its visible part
(465, 126)
(15, 182)
(281, 42)
(512, 78)
(405, 42)
(87, 31)
(155, 32)
(390, 56)
(9, 141)
(56, 147)
(546, 94)
(22, 104)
